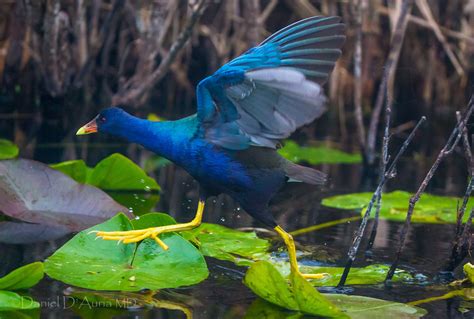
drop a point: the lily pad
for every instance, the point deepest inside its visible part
(297, 294)
(317, 155)
(430, 208)
(26, 233)
(33, 192)
(241, 248)
(76, 169)
(244, 248)
(368, 275)
(360, 307)
(125, 181)
(23, 277)
(104, 265)
(7, 149)
(469, 272)
(13, 301)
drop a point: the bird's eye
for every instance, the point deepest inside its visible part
(102, 119)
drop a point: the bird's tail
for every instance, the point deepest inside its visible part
(298, 173)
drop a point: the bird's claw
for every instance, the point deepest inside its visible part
(133, 236)
(315, 276)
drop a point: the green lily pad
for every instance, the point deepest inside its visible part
(360, 307)
(297, 294)
(7, 149)
(76, 169)
(469, 272)
(123, 180)
(244, 248)
(241, 248)
(317, 155)
(13, 301)
(23, 278)
(368, 275)
(430, 208)
(105, 265)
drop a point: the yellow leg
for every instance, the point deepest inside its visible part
(290, 245)
(133, 236)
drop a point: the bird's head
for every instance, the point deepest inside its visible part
(108, 121)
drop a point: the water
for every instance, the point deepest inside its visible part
(223, 295)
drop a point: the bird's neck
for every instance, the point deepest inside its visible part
(165, 138)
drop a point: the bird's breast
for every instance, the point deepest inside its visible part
(214, 167)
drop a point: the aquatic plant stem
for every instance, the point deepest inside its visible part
(459, 251)
(360, 232)
(324, 225)
(448, 148)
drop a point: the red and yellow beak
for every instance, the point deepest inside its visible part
(89, 128)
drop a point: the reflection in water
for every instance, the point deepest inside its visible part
(222, 295)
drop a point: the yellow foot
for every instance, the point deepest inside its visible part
(133, 236)
(315, 276)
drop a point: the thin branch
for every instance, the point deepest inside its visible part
(447, 149)
(388, 77)
(358, 12)
(131, 93)
(426, 11)
(360, 232)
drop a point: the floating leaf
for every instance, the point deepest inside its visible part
(469, 272)
(368, 275)
(224, 243)
(76, 169)
(125, 181)
(7, 149)
(244, 248)
(23, 277)
(430, 208)
(298, 295)
(13, 301)
(104, 265)
(360, 307)
(317, 155)
(33, 192)
(26, 233)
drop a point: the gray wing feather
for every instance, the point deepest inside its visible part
(286, 100)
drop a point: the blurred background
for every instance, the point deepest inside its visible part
(62, 61)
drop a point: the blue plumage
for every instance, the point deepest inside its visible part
(243, 110)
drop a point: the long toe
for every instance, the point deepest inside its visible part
(315, 276)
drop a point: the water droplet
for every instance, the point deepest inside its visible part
(137, 217)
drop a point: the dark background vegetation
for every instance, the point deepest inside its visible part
(62, 61)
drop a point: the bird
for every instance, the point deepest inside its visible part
(244, 110)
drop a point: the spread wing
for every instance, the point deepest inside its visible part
(265, 94)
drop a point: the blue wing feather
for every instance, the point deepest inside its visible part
(272, 89)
